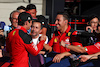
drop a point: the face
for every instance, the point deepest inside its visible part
(33, 13)
(94, 22)
(36, 29)
(14, 19)
(29, 24)
(60, 22)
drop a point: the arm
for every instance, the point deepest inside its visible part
(58, 57)
(74, 48)
(47, 47)
(44, 30)
(84, 58)
(33, 49)
(89, 27)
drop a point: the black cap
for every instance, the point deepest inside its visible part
(24, 17)
(30, 6)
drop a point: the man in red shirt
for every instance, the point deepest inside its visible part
(64, 33)
(19, 43)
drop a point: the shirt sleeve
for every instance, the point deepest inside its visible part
(29, 45)
(93, 48)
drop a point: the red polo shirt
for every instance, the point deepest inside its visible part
(18, 44)
(66, 37)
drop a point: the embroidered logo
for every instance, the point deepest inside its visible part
(97, 45)
(67, 41)
(69, 33)
(55, 40)
(29, 18)
(14, 33)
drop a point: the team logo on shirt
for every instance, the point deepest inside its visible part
(14, 33)
(69, 33)
(55, 40)
(97, 45)
(67, 41)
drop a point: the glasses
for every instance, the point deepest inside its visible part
(14, 18)
(94, 22)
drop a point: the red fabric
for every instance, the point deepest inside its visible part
(93, 48)
(6, 64)
(55, 41)
(19, 50)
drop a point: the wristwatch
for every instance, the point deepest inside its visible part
(66, 45)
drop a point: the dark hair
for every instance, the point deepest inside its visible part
(38, 22)
(92, 17)
(41, 18)
(65, 15)
(30, 6)
(21, 7)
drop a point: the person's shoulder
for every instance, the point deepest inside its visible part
(25, 37)
(72, 30)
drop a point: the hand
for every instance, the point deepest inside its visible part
(84, 58)
(47, 47)
(62, 43)
(43, 37)
(58, 58)
(42, 52)
(89, 27)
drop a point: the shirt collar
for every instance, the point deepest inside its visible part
(22, 28)
(68, 29)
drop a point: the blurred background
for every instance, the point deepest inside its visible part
(79, 10)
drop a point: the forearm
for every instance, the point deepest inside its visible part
(76, 49)
(33, 49)
(47, 47)
(44, 30)
(66, 54)
(94, 56)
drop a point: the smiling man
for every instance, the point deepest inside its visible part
(64, 33)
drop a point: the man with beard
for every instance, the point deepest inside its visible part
(36, 29)
(63, 34)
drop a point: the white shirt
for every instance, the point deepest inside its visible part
(36, 40)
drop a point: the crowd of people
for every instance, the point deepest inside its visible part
(25, 39)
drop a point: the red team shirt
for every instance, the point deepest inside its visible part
(66, 37)
(18, 44)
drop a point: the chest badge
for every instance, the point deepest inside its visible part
(55, 40)
(69, 33)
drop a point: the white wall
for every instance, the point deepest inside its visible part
(7, 8)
